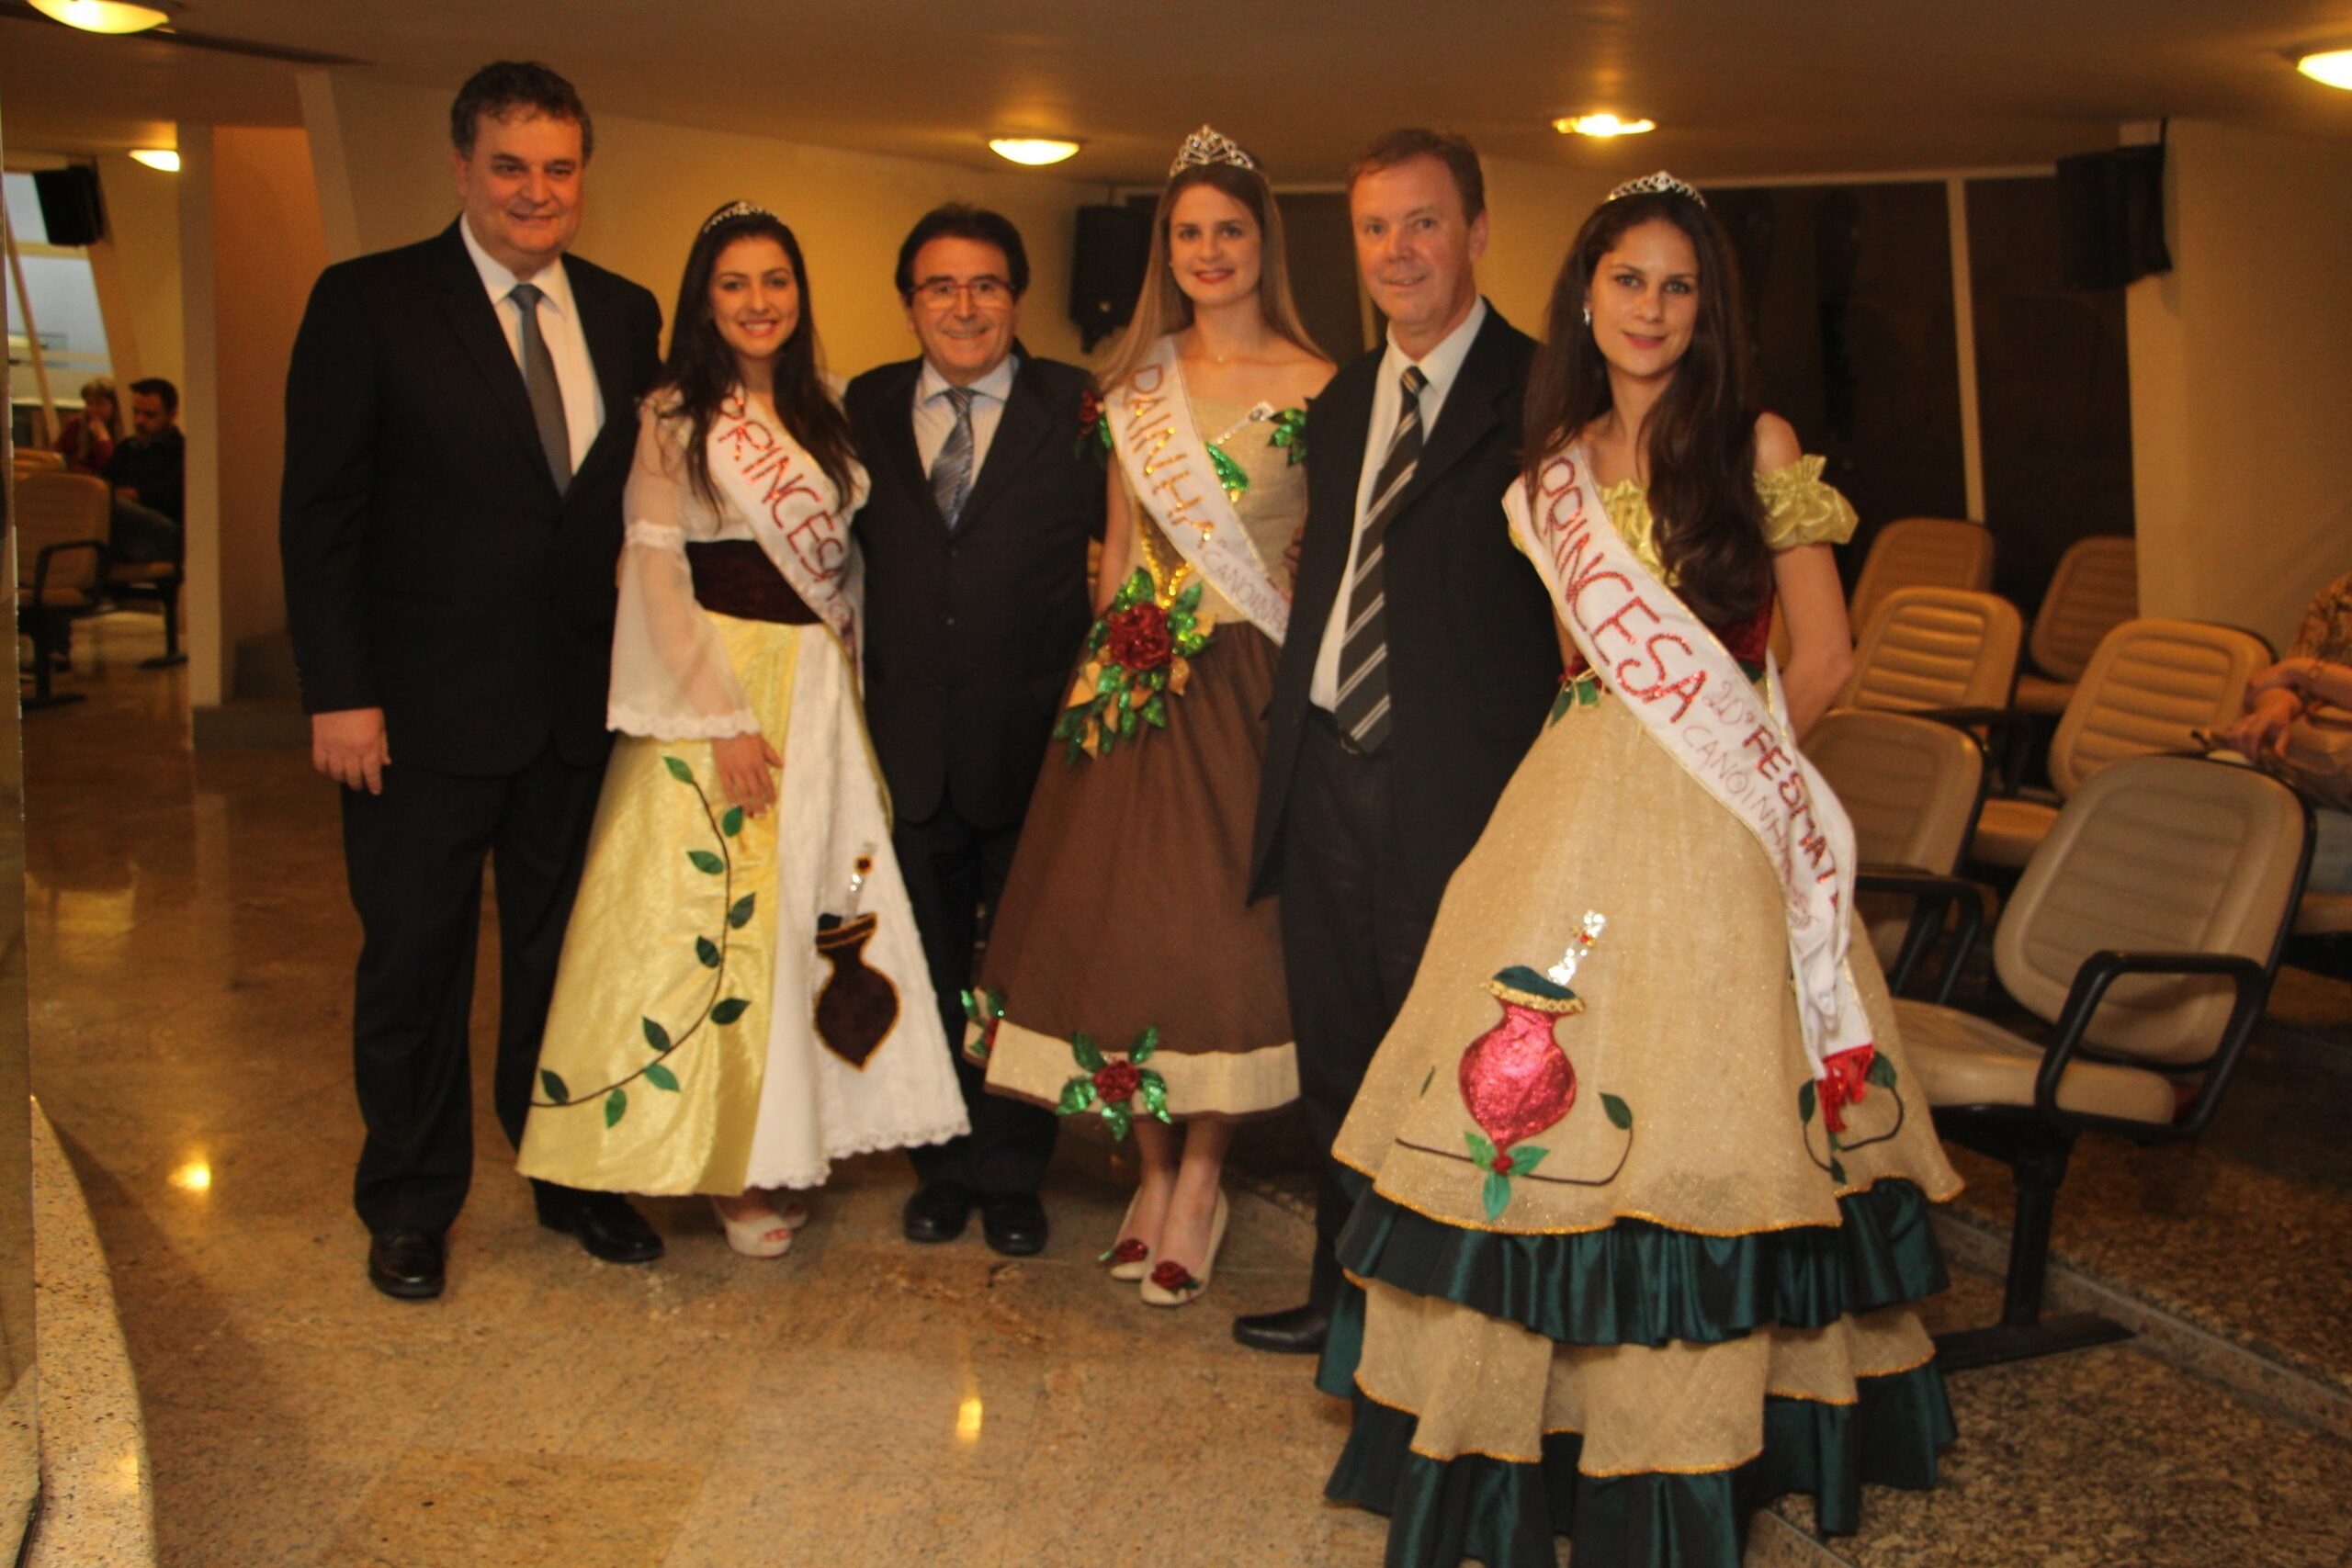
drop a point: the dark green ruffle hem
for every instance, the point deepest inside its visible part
(1506, 1514)
(1638, 1283)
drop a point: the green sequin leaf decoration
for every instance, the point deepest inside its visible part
(1229, 474)
(1290, 432)
(1145, 1046)
(1117, 1118)
(1497, 1194)
(1089, 1054)
(1076, 1095)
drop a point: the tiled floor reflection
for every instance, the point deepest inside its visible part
(861, 1403)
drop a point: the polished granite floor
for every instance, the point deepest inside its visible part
(862, 1402)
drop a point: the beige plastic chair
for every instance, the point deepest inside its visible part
(2095, 590)
(2149, 685)
(60, 556)
(1936, 648)
(1922, 552)
(2144, 935)
(1912, 787)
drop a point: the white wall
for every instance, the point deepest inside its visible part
(651, 186)
(2241, 381)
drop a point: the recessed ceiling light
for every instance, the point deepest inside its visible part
(161, 158)
(1033, 150)
(2332, 66)
(1602, 125)
(104, 16)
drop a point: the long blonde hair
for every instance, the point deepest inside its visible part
(1164, 308)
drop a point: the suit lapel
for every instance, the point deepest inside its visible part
(1024, 427)
(901, 454)
(606, 331)
(1471, 410)
(474, 320)
(1335, 457)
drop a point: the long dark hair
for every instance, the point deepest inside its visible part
(1699, 438)
(701, 370)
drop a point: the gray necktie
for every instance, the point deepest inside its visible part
(538, 378)
(951, 471)
(1363, 709)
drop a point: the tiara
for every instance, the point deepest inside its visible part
(1659, 184)
(734, 209)
(1207, 145)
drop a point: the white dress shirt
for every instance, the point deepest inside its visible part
(936, 413)
(1442, 365)
(575, 373)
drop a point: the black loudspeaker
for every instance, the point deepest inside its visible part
(1106, 269)
(2111, 217)
(69, 208)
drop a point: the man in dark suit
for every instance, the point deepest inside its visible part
(1420, 660)
(975, 540)
(459, 416)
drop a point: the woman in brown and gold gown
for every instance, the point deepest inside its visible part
(1127, 974)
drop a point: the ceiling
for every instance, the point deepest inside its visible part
(1740, 87)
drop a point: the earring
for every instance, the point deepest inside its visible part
(1588, 315)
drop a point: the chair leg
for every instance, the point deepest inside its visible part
(2038, 1165)
(171, 654)
(45, 627)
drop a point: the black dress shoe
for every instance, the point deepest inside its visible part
(406, 1264)
(607, 1227)
(1015, 1223)
(1297, 1331)
(938, 1211)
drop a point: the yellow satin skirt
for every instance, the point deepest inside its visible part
(684, 1050)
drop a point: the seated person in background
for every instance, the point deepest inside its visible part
(147, 473)
(87, 440)
(2297, 724)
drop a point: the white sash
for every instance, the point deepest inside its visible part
(1168, 469)
(1690, 694)
(795, 514)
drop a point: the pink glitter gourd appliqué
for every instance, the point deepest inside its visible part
(1516, 1079)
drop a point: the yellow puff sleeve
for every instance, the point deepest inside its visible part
(1799, 509)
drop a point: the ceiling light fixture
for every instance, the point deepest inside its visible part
(161, 158)
(1602, 125)
(2332, 66)
(1033, 150)
(105, 16)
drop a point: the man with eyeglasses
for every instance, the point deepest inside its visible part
(975, 541)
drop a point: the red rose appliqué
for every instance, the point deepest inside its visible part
(1117, 1081)
(1137, 639)
(1845, 1079)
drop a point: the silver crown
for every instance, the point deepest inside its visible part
(734, 209)
(1207, 145)
(1659, 184)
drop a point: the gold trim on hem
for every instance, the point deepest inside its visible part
(1660, 1221)
(1033, 1065)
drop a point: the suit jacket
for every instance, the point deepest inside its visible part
(432, 568)
(1473, 664)
(970, 635)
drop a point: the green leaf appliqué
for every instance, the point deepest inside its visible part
(615, 1106)
(660, 1076)
(1621, 1115)
(703, 860)
(554, 1085)
(729, 1010)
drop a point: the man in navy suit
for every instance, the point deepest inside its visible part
(459, 416)
(975, 539)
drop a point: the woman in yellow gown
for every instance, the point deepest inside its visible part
(742, 998)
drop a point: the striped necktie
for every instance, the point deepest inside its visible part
(538, 379)
(1363, 709)
(951, 471)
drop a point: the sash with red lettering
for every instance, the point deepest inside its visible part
(1168, 469)
(1690, 695)
(796, 516)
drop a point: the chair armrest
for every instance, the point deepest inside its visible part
(2100, 970)
(2008, 741)
(40, 562)
(1928, 890)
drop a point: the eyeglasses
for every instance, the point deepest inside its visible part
(987, 293)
